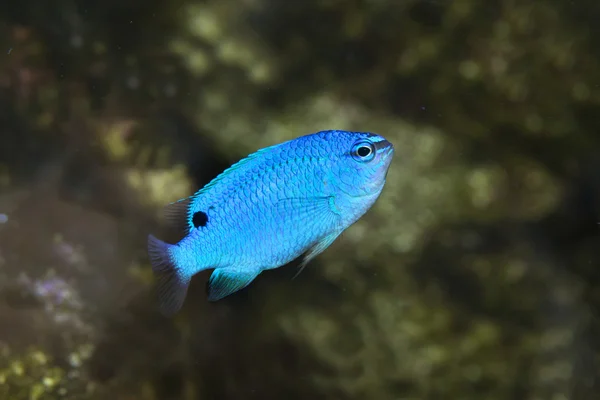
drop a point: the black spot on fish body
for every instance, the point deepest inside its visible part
(199, 219)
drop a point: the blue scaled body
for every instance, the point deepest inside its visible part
(268, 209)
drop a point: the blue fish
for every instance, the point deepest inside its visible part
(268, 209)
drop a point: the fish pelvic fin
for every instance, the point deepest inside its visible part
(224, 282)
(172, 282)
(317, 249)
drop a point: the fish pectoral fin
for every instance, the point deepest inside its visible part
(320, 212)
(317, 249)
(224, 282)
(308, 210)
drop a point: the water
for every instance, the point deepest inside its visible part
(474, 276)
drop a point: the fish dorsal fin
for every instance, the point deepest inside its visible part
(177, 215)
(242, 165)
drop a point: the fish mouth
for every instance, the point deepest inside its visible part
(384, 147)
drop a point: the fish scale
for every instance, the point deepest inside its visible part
(269, 208)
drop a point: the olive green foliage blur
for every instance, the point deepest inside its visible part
(475, 276)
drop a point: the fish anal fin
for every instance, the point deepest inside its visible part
(317, 249)
(224, 282)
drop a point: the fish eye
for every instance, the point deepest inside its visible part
(363, 151)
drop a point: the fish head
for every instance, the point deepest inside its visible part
(362, 160)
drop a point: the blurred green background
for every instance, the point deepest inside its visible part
(475, 276)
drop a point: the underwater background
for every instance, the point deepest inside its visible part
(476, 275)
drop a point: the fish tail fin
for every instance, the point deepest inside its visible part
(172, 281)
